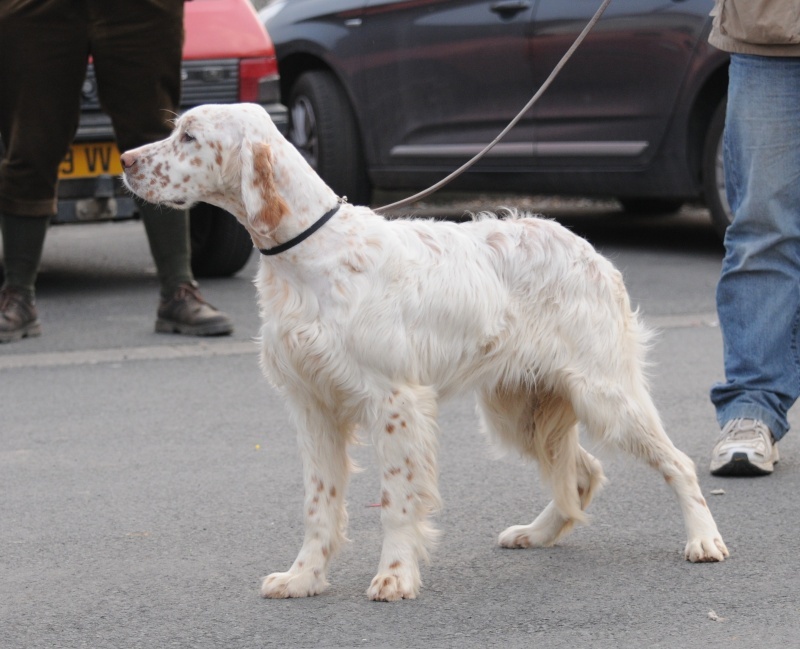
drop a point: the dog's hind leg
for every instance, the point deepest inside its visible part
(326, 471)
(405, 436)
(602, 375)
(544, 428)
(624, 415)
(553, 524)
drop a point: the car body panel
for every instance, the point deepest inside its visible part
(218, 29)
(432, 81)
(446, 77)
(620, 87)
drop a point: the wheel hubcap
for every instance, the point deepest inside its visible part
(303, 133)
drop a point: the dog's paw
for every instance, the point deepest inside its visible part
(392, 585)
(706, 549)
(524, 536)
(280, 585)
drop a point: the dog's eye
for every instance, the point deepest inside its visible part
(186, 137)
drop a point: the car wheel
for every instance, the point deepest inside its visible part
(323, 128)
(714, 174)
(220, 244)
(650, 206)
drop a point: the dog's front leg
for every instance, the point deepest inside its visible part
(406, 441)
(326, 470)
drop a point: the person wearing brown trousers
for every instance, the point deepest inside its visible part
(135, 46)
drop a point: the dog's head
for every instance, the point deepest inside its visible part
(218, 154)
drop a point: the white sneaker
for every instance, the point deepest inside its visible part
(745, 448)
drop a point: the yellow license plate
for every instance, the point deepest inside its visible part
(90, 159)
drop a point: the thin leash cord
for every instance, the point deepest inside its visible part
(511, 124)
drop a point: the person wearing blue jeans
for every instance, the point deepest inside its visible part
(758, 295)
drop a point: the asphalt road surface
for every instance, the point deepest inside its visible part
(148, 482)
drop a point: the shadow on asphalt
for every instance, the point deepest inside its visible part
(690, 230)
(603, 223)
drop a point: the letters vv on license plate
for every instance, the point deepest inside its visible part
(90, 159)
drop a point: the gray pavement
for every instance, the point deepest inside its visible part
(148, 482)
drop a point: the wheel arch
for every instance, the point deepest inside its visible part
(711, 93)
(294, 65)
(351, 177)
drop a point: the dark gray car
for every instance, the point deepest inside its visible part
(395, 94)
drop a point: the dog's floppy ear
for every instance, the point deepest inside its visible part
(263, 204)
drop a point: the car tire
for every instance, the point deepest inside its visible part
(220, 244)
(323, 127)
(650, 206)
(713, 174)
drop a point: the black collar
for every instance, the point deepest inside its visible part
(302, 236)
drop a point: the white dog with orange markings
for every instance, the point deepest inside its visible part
(369, 322)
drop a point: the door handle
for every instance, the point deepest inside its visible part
(509, 8)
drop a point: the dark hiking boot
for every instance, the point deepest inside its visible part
(18, 317)
(186, 312)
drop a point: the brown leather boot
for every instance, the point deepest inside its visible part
(186, 312)
(18, 317)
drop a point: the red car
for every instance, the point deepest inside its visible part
(227, 57)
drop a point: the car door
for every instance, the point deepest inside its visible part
(441, 78)
(612, 102)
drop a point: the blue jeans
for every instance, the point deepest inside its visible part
(758, 296)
